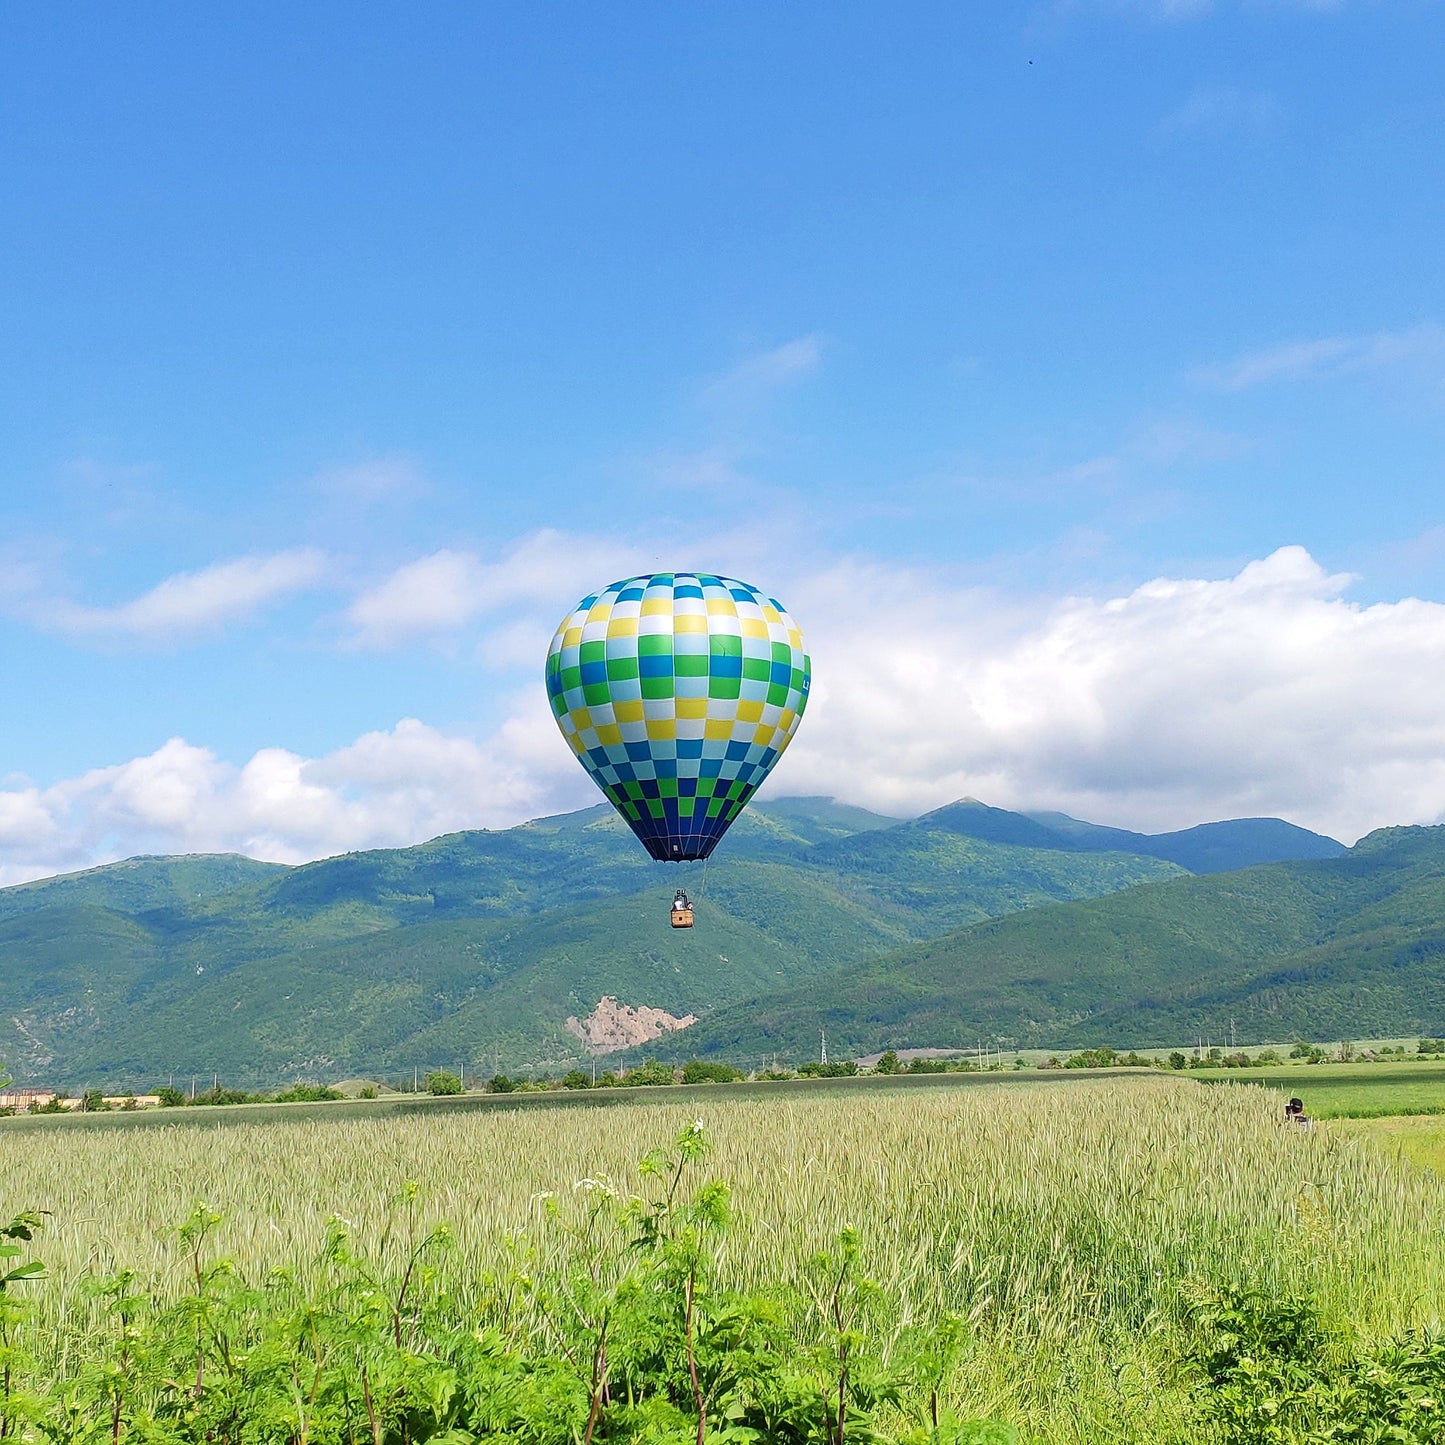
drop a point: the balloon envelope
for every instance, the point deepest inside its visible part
(678, 691)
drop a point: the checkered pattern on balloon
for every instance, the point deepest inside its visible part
(678, 692)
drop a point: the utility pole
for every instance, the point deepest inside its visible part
(823, 1046)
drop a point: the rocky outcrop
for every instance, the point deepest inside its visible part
(612, 1026)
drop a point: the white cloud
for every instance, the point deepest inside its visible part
(1183, 700)
(758, 377)
(1326, 356)
(449, 590)
(1182, 10)
(192, 602)
(385, 789)
(362, 483)
(1220, 110)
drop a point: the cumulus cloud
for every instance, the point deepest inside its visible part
(1182, 700)
(192, 602)
(385, 789)
(1326, 356)
(447, 590)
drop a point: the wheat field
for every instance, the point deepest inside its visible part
(1058, 1220)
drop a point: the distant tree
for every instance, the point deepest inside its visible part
(1430, 1046)
(93, 1101)
(576, 1079)
(1177, 1060)
(696, 1071)
(501, 1084)
(652, 1072)
(888, 1063)
(368, 1091)
(170, 1096)
(442, 1081)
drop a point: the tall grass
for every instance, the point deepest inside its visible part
(1058, 1221)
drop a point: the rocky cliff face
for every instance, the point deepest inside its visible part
(612, 1026)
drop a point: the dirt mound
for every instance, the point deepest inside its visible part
(612, 1026)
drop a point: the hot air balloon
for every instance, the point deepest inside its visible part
(678, 691)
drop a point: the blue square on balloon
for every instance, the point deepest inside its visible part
(593, 672)
(638, 752)
(689, 748)
(782, 672)
(655, 666)
(737, 752)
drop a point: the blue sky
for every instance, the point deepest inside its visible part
(345, 347)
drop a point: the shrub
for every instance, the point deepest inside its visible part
(442, 1082)
(888, 1063)
(170, 1096)
(310, 1094)
(501, 1084)
(576, 1079)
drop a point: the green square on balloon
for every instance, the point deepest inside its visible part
(690, 666)
(778, 694)
(595, 694)
(757, 669)
(654, 644)
(619, 668)
(654, 688)
(592, 652)
(721, 645)
(724, 688)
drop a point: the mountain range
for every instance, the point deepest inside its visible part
(477, 949)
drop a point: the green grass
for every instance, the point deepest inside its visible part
(1058, 1217)
(1418, 1138)
(1350, 1091)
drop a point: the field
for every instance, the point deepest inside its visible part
(1350, 1091)
(1064, 1223)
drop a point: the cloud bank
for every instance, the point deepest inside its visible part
(1186, 699)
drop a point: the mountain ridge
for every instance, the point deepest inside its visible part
(479, 945)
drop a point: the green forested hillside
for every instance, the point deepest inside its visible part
(1345, 947)
(476, 948)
